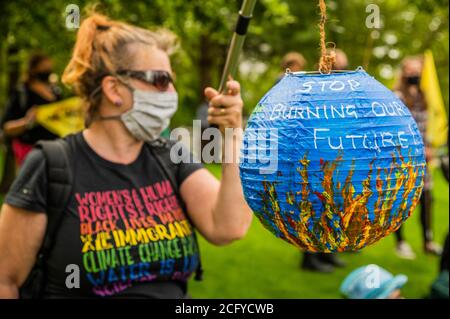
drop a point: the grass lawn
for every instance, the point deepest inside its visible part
(262, 266)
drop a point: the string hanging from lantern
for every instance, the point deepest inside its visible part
(328, 57)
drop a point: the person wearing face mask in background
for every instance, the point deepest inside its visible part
(129, 223)
(409, 91)
(317, 262)
(18, 122)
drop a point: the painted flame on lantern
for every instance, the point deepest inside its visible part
(347, 226)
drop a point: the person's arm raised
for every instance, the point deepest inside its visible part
(218, 209)
(21, 236)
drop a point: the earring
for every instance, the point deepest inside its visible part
(118, 103)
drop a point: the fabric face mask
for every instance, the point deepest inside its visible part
(43, 76)
(150, 114)
(413, 80)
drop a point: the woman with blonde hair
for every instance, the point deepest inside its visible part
(127, 228)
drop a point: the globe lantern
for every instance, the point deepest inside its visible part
(332, 162)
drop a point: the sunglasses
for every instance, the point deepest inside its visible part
(158, 78)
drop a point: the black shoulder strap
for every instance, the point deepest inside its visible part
(159, 149)
(59, 186)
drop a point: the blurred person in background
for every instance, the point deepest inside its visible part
(294, 61)
(341, 62)
(19, 120)
(439, 287)
(320, 262)
(409, 91)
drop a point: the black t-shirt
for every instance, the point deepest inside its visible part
(14, 111)
(124, 227)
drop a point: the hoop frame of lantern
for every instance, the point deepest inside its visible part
(349, 161)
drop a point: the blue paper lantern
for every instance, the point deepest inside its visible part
(332, 162)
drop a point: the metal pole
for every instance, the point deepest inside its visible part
(237, 42)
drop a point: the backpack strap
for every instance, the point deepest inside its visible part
(159, 148)
(59, 186)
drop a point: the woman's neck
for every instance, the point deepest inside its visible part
(111, 140)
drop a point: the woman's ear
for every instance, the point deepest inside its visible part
(112, 90)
